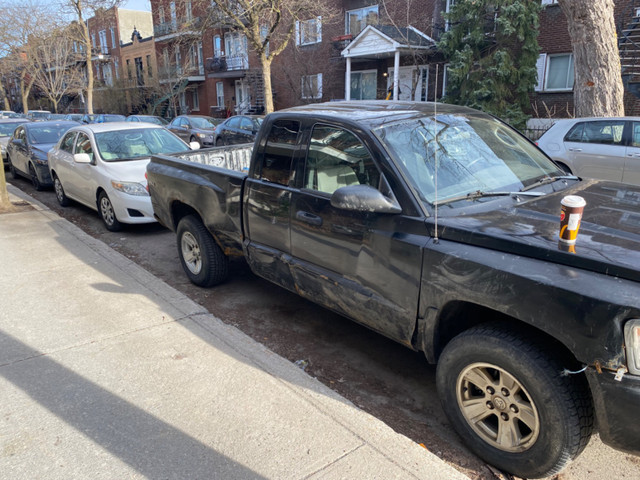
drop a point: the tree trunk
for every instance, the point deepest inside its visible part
(266, 81)
(598, 90)
(5, 203)
(24, 96)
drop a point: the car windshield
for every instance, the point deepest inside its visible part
(6, 129)
(474, 154)
(203, 122)
(155, 120)
(137, 143)
(113, 118)
(39, 114)
(46, 134)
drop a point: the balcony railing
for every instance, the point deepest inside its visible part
(179, 25)
(226, 63)
(174, 72)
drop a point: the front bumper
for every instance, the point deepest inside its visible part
(44, 174)
(131, 208)
(617, 407)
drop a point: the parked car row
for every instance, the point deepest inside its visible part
(209, 131)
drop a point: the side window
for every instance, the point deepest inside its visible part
(607, 132)
(278, 152)
(245, 124)
(83, 145)
(234, 122)
(67, 142)
(635, 140)
(337, 158)
(575, 134)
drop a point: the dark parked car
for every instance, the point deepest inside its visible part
(74, 117)
(238, 129)
(7, 127)
(38, 115)
(147, 118)
(28, 147)
(195, 128)
(108, 118)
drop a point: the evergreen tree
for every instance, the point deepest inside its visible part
(491, 47)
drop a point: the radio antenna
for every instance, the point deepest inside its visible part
(435, 152)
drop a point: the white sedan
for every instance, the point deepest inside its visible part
(103, 166)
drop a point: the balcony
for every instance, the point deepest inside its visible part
(177, 27)
(175, 73)
(227, 66)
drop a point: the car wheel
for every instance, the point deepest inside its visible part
(34, 178)
(12, 170)
(107, 213)
(62, 198)
(506, 397)
(219, 142)
(202, 259)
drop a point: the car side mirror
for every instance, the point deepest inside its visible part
(363, 198)
(81, 158)
(194, 145)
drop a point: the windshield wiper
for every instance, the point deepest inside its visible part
(480, 194)
(547, 179)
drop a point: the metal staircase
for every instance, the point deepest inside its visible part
(629, 47)
(254, 77)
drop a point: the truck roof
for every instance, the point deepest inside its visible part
(372, 112)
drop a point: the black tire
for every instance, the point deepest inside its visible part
(546, 419)
(219, 142)
(14, 173)
(34, 178)
(62, 198)
(108, 215)
(202, 259)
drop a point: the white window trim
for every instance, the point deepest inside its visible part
(299, 30)
(220, 93)
(319, 84)
(541, 68)
(549, 2)
(546, 73)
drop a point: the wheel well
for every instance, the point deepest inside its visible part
(564, 167)
(98, 192)
(179, 211)
(457, 317)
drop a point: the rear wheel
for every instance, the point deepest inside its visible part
(34, 178)
(219, 142)
(202, 259)
(506, 398)
(107, 213)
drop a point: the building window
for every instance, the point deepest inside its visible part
(220, 93)
(555, 72)
(312, 86)
(178, 59)
(149, 67)
(103, 42)
(309, 31)
(113, 37)
(217, 46)
(188, 13)
(174, 18)
(93, 40)
(356, 20)
(116, 67)
(364, 85)
(129, 74)
(549, 2)
(161, 14)
(196, 100)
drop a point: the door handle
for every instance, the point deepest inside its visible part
(309, 218)
(575, 149)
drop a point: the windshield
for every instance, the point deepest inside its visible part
(474, 153)
(204, 122)
(6, 129)
(113, 118)
(48, 134)
(140, 142)
(156, 120)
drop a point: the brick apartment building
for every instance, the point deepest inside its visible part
(361, 50)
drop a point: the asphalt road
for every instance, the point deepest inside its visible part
(383, 378)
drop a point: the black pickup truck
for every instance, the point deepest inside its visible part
(437, 226)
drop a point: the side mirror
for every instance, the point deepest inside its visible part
(363, 198)
(81, 158)
(194, 145)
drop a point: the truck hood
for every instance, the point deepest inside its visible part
(608, 240)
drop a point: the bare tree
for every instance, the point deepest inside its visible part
(82, 10)
(598, 89)
(268, 26)
(57, 71)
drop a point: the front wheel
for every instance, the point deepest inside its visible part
(505, 396)
(202, 259)
(34, 178)
(107, 213)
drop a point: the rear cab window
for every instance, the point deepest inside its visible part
(279, 151)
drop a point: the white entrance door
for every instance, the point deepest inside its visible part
(408, 78)
(243, 98)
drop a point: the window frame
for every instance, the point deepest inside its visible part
(306, 95)
(347, 18)
(300, 31)
(551, 56)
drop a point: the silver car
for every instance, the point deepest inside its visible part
(7, 127)
(602, 148)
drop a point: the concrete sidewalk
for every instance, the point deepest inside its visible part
(107, 372)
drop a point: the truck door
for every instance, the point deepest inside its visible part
(267, 204)
(361, 264)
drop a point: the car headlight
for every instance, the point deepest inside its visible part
(201, 135)
(130, 188)
(632, 342)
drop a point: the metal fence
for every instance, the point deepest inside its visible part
(534, 134)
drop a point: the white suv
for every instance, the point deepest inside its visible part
(602, 148)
